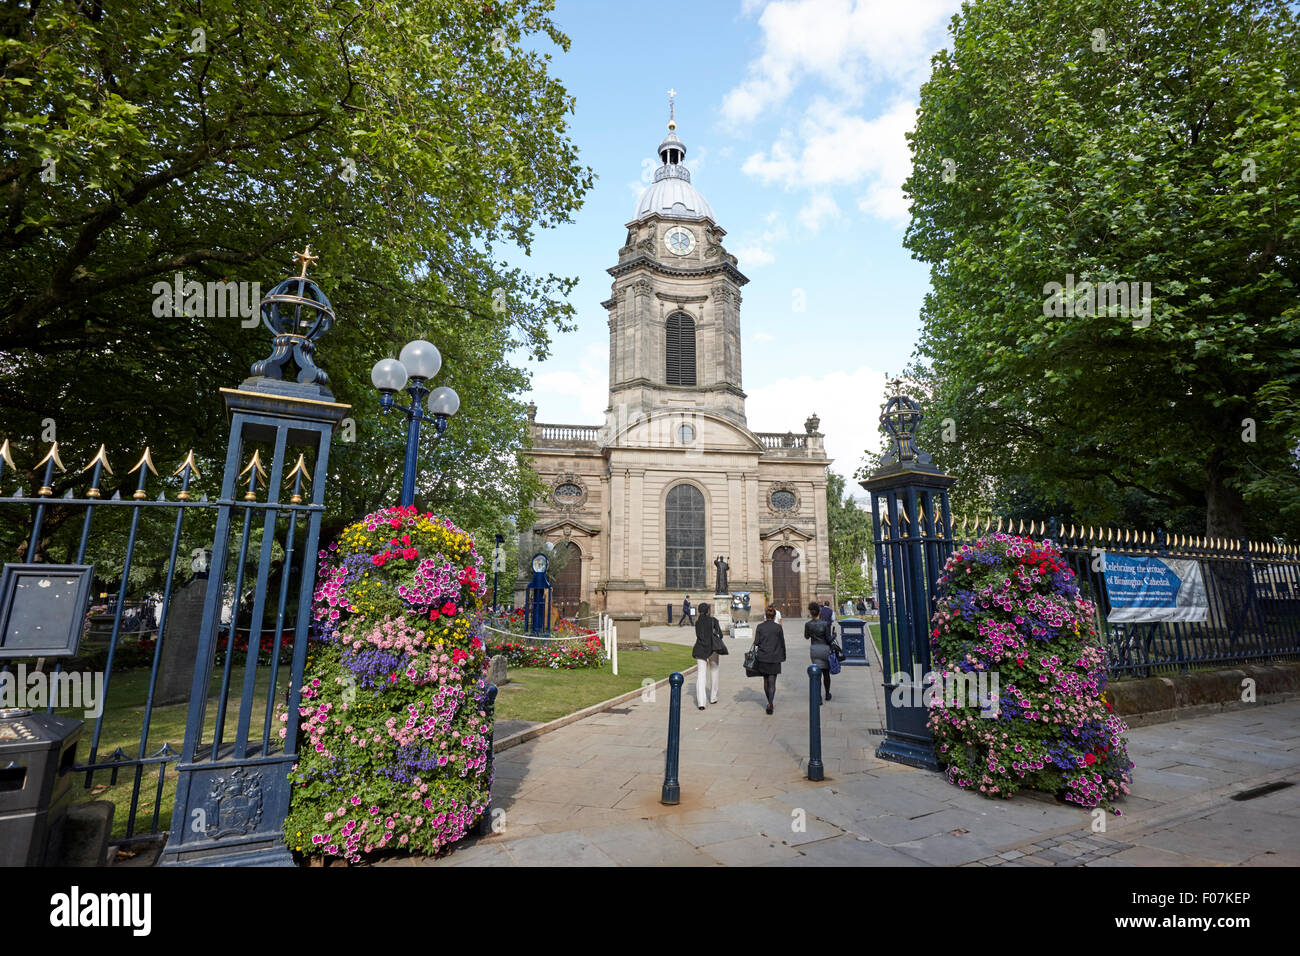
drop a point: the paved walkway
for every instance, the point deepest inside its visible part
(588, 793)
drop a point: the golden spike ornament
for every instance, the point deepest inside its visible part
(146, 461)
(50, 456)
(101, 458)
(194, 474)
(6, 456)
(255, 466)
(299, 469)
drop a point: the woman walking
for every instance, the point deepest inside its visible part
(817, 632)
(708, 645)
(769, 641)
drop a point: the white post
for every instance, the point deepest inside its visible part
(614, 641)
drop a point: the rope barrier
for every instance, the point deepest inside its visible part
(538, 637)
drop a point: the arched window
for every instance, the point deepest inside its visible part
(679, 349)
(684, 539)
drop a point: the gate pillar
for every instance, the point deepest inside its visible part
(913, 538)
(232, 793)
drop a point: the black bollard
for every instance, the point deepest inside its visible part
(485, 821)
(814, 723)
(672, 792)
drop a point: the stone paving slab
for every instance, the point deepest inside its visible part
(589, 793)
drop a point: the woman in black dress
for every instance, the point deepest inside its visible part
(769, 641)
(818, 633)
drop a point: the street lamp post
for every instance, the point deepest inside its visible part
(419, 361)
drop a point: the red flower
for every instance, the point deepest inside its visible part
(433, 614)
(406, 540)
(1089, 759)
(410, 554)
(449, 609)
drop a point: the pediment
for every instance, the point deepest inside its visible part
(785, 532)
(548, 527)
(661, 429)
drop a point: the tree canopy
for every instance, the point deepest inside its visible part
(1114, 141)
(416, 146)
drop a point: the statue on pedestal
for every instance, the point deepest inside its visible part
(720, 585)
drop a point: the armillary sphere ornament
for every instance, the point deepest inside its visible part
(297, 313)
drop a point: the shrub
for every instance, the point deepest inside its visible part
(1010, 606)
(394, 733)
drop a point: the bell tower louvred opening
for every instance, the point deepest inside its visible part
(679, 349)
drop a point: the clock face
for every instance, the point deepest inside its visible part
(539, 563)
(679, 241)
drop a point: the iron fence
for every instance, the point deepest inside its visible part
(139, 546)
(1252, 590)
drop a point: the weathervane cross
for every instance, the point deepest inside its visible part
(672, 110)
(306, 258)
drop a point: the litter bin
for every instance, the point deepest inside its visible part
(853, 638)
(37, 753)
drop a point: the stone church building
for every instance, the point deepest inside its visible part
(640, 507)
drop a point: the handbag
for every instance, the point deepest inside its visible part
(719, 646)
(751, 659)
(833, 660)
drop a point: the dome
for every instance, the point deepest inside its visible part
(671, 193)
(675, 197)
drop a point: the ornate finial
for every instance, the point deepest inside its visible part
(145, 462)
(297, 313)
(188, 463)
(812, 423)
(52, 455)
(101, 458)
(307, 260)
(672, 109)
(299, 470)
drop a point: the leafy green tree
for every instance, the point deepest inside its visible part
(849, 539)
(416, 146)
(1128, 141)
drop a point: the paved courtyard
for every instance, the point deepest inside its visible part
(588, 793)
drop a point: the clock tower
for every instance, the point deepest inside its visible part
(674, 311)
(638, 511)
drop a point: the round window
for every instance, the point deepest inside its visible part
(686, 433)
(567, 492)
(783, 500)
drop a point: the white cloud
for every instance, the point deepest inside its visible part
(764, 337)
(819, 210)
(846, 401)
(574, 398)
(758, 251)
(836, 148)
(844, 43)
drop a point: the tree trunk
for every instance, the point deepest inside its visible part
(1225, 508)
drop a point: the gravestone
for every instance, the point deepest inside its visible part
(497, 669)
(181, 642)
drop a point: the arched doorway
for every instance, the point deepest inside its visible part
(566, 582)
(786, 593)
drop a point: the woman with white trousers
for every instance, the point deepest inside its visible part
(708, 645)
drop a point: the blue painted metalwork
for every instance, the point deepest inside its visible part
(1253, 591)
(913, 538)
(490, 707)
(854, 635)
(815, 769)
(537, 598)
(671, 795)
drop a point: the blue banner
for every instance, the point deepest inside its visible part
(1153, 589)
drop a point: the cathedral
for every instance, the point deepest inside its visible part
(638, 510)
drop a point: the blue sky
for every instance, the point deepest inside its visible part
(794, 115)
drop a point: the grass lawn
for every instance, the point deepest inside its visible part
(539, 694)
